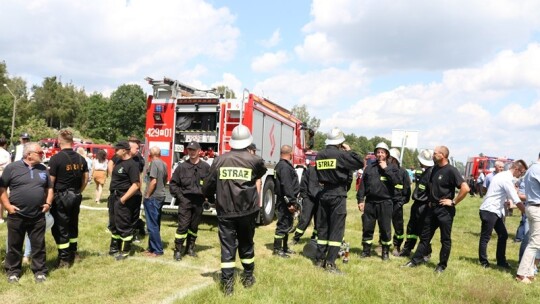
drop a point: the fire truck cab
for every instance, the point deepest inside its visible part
(484, 164)
(178, 114)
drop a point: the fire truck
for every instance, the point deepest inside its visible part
(178, 114)
(485, 164)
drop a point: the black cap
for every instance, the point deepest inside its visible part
(25, 136)
(122, 145)
(252, 147)
(193, 145)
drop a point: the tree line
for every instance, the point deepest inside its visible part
(53, 105)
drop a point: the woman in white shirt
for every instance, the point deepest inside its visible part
(99, 172)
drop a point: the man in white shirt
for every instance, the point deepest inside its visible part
(492, 212)
(25, 138)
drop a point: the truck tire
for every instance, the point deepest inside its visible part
(268, 209)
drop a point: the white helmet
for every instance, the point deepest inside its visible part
(425, 157)
(334, 137)
(382, 145)
(394, 152)
(240, 137)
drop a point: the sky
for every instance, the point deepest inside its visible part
(460, 73)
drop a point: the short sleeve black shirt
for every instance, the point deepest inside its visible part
(68, 168)
(124, 174)
(443, 183)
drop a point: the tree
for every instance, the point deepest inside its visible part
(302, 113)
(127, 111)
(95, 118)
(225, 91)
(37, 128)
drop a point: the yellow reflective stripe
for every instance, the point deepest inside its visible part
(398, 186)
(116, 237)
(383, 178)
(418, 171)
(325, 164)
(278, 236)
(401, 236)
(299, 230)
(322, 242)
(368, 242)
(235, 173)
(180, 236)
(228, 265)
(63, 246)
(422, 187)
(201, 182)
(247, 261)
(412, 236)
(75, 240)
(127, 239)
(386, 243)
(335, 244)
(192, 233)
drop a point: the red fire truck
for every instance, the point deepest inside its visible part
(485, 164)
(178, 114)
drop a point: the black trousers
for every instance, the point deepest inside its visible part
(17, 227)
(283, 225)
(237, 233)
(189, 217)
(123, 217)
(331, 216)
(490, 221)
(380, 212)
(65, 211)
(415, 224)
(437, 217)
(397, 222)
(309, 210)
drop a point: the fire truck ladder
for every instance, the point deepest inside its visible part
(229, 124)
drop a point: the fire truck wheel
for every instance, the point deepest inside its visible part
(268, 203)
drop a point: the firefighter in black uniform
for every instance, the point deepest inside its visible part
(286, 189)
(378, 187)
(69, 175)
(402, 195)
(335, 165)
(309, 192)
(419, 206)
(186, 186)
(124, 201)
(232, 178)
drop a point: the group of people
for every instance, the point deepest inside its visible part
(234, 180)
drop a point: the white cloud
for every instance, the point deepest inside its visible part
(125, 39)
(416, 34)
(269, 62)
(273, 40)
(470, 110)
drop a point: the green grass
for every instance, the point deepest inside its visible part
(100, 279)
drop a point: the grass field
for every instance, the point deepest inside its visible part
(98, 278)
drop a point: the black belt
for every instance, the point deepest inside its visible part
(65, 190)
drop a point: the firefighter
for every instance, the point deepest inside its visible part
(186, 186)
(402, 195)
(309, 192)
(378, 188)
(69, 175)
(124, 201)
(335, 165)
(232, 178)
(420, 201)
(286, 189)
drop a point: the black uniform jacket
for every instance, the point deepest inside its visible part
(188, 178)
(287, 184)
(334, 169)
(232, 178)
(378, 184)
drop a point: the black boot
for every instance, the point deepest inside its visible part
(64, 258)
(227, 286)
(125, 249)
(286, 248)
(114, 248)
(385, 252)
(178, 250)
(190, 246)
(248, 279)
(366, 251)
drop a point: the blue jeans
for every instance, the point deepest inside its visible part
(152, 211)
